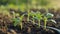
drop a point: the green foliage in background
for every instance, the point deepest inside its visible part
(44, 2)
(3, 2)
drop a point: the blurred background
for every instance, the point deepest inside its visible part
(23, 4)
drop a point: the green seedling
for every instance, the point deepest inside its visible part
(46, 18)
(33, 15)
(18, 21)
(21, 18)
(49, 15)
(38, 17)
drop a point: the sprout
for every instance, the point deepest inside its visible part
(46, 18)
(39, 17)
(21, 18)
(18, 20)
(33, 15)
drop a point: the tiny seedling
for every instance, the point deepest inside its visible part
(38, 17)
(33, 15)
(18, 21)
(48, 17)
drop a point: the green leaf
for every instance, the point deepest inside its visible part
(35, 18)
(49, 15)
(52, 21)
(21, 17)
(38, 15)
(32, 14)
(16, 21)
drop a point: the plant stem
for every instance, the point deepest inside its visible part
(39, 22)
(13, 14)
(45, 22)
(28, 16)
(33, 20)
(21, 25)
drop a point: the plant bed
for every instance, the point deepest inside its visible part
(28, 23)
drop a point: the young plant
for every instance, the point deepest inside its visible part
(33, 15)
(48, 17)
(38, 17)
(21, 18)
(18, 20)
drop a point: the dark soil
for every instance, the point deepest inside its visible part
(6, 25)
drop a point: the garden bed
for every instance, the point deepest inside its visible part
(7, 25)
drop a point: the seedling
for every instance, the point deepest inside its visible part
(21, 18)
(48, 17)
(18, 21)
(33, 15)
(38, 17)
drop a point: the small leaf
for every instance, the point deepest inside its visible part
(32, 13)
(53, 21)
(16, 21)
(22, 17)
(49, 15)
(35, 18)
